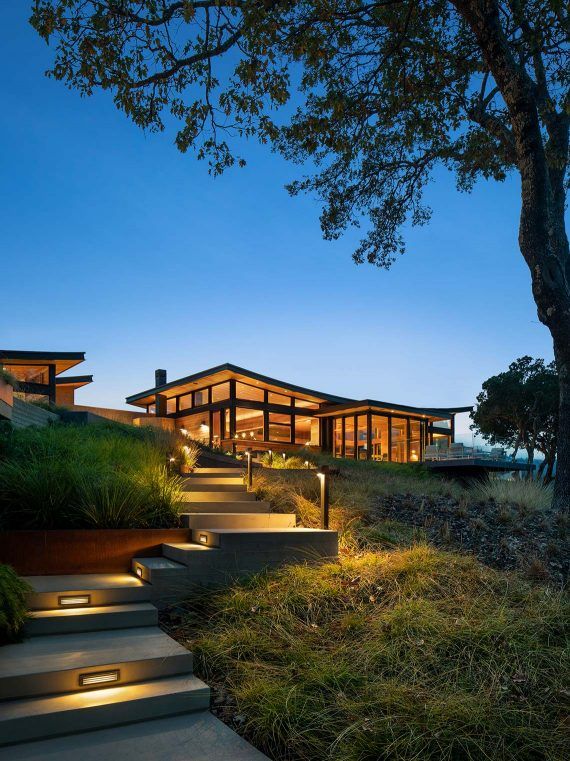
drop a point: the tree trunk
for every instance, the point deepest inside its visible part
(542, 234)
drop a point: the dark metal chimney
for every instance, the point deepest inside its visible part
(159, 378)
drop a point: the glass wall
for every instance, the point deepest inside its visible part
(251, 393)
(379, 441)
(170, 406)
(337, 437)
(306, 431)
(201, 397)
(185, 402)
(281, 399)
(221, 392)
(399, 440)
(415, 441)
(279, 427)
(198, 426)
(362, 437)
(349, 436)
(249, 424)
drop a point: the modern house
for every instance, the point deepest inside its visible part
(39, 374)
(234, 409)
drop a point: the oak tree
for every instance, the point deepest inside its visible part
(379, 93)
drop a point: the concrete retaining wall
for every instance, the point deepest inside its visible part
(25, 414)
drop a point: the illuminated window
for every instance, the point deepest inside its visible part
(284, 401)
(220, 392)
(337, 438)
(307, 430)
(349, 436)
(186, 402)
(249, 424)
(379, 441)
(399, 439)
(251, 393)
(30, 373)
(171, 406)
(306, 404)
(198, 426)
(415, 441)
(200, 397)
(279, 427)
(151, 409)
(362, 437)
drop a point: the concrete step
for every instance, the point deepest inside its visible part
(198, 736)
(34, 718)
(239, 520)
(216, 495)
(214, 484)
(323, 543)
(190, 555)
(153, 570)
(95, 618)
(85, 590)
(251, 506)
(217, 471)
(65, 662)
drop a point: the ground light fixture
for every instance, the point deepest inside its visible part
(307, 464)
(73, 601)
(203, 538)
(99, 677)
(323, 476)
(270, 453)
(249, 470)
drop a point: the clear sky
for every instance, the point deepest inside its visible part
(115, 244)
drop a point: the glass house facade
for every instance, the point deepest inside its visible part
(233, 409)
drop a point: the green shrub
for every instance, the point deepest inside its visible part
(525, 494)
(8, 378)
(106, 475)
(404, 655)
(13, 603)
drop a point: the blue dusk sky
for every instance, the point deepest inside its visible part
(115, 244)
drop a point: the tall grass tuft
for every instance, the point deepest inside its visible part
(102, 476)
(525, 494)
(413, 654)
(13, 603)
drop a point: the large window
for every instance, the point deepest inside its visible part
(379, 441)
(362, 437)
(198, 426)
(251, 393)
(279, 427)
(201, 397)
(281, 399)
(307, 430)
(306, 404)
(30, 373)
(185, 402)
(171, 406)
(349, 436)
(220, 392)
(216, 427)
(415, 441)
(249, 424)
(337, 437)
(399, 439)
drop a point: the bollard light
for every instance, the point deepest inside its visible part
(323, 476)
(307, 464)
(270, 453)
(249, 471)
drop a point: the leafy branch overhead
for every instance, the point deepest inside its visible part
(379, 93)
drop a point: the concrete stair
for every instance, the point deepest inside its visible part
(95, 618)
(214, 495)
(226, 482)
(52, 592)
(248, 539)
(226, 506)
(238, 520)
(197, 472)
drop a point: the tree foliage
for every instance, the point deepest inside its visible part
(519, 409)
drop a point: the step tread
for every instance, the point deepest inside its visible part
(94, 610)
(159, 564)
(41, 706)
(277, 530)
(83, 582)
(75, 651)
(199, 736)
(190, 547)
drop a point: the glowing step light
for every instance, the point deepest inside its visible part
(204, 538)
(74, 601)
(99, 677)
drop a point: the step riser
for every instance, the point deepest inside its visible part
(216, 486)
(191, 508)
(324, 544)
(227, 480)
(55, 682)
(50, 600)
(217, 496)
(98, 717)
(91, 623)
(156, 575)
(244, 520)
(216, 472)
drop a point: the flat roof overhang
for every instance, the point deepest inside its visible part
(226, 372)
(74, 381)
(370, 405)
(63, 360)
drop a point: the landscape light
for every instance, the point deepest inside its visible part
(307, 464)
(284, 456)
(323, 476)
(74, 601)
(99, 677)
(249, 472)
(204, 538)
(139, 571)
(184, 432)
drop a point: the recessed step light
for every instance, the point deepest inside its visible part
(204, 538)
(74, 601)
(99, 677)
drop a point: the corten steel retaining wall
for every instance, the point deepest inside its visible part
(45, 553)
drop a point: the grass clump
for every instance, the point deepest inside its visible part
(525, 494)
(98, 476)
(413, 654)
(13, 603)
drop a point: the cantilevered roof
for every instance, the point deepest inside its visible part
(63, 360)
(76, 381)
(225, 372)
(371, 405)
